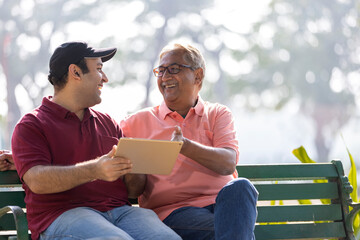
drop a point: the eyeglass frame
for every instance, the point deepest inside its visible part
(167, 69)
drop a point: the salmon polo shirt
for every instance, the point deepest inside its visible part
(189, 184)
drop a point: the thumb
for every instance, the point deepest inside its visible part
(177, 134)
(177, 129)
(112, 151)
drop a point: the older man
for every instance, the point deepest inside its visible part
(202, 198)
(64, 154)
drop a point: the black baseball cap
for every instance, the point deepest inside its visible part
(72, 53)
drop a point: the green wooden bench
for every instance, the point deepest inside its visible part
(294, 182)
(287, 182)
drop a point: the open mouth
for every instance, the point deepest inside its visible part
(170, 86)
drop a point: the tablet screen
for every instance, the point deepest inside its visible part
(149, 156)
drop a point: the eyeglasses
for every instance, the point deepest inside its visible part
(172, 69)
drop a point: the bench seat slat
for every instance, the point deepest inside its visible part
(300, 231)
(288, 171)
(297, 191)
(299, 213)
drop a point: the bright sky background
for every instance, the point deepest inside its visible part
(238, 16)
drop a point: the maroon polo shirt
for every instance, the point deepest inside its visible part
(52, 135)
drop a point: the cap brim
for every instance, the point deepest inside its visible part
(104, 53)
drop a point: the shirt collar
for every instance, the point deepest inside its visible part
(62, 112)
(199, 108)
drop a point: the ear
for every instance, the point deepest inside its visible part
(199, 76)
(74, 71)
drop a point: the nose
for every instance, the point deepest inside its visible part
(166, 75)
(104, 77)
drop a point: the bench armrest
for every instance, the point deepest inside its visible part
(20, 221)
(352, 214)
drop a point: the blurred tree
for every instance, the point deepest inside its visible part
(27, 28)
(159, 23)
(305, 50)
(37, 23)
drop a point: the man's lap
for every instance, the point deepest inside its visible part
(120, 223)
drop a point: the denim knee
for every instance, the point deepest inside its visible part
(238, 187)
(235, 210)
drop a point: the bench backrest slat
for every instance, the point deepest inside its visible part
(297, 191)
(12, 198)
(300, 231)
(288, 171)
(299, 213)
(9, 178)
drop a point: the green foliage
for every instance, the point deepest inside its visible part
(302, 155)
(353, 182)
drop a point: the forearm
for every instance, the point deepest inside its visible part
(135, 184)
(54, 179)
(219, 160)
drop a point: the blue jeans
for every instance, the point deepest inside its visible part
(233, 215)
(125, 223)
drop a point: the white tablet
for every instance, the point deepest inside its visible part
(149, 156)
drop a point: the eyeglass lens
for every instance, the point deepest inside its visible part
(172, 69)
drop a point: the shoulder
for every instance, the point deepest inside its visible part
(104, 118)
(30, 126)
(142, 114)
(216, 108)
(35, 117)
(100, 115)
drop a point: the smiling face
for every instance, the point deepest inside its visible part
(179, 90)
(92, 82)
